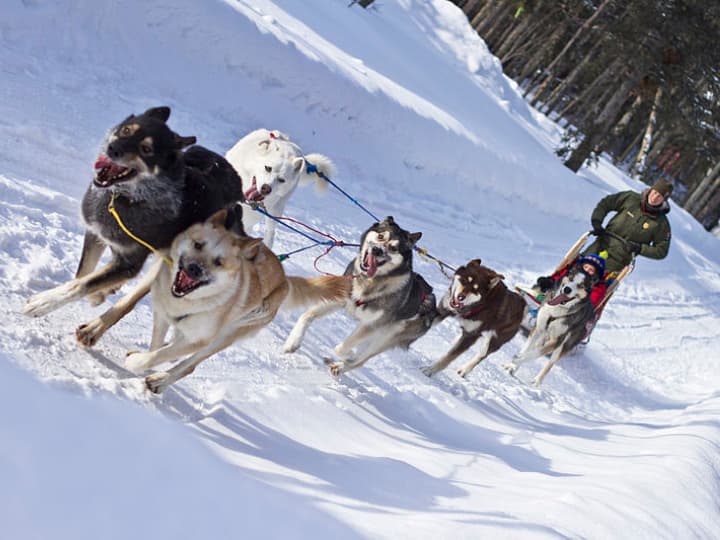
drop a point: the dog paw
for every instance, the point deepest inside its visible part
(290, 347)
(136, 362)
(42, 303)
(463, 371)
(157, 382)
(336, 368)
(429, 371)
(536, 382)
(510, 368)
(89, 333)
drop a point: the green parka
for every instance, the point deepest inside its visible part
(635, 221)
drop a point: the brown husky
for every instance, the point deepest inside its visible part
(223, 286)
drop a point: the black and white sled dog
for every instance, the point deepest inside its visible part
(562, 322)
(272, 166)
(393, 304)
(158, 189)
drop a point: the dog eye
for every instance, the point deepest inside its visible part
(281, 180)
(198, 245)
(218, 261)
(380, 236)
(125, 131)
(392, 248)
(268, 168)
(146, 149)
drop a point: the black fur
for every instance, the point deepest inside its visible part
(183, 188)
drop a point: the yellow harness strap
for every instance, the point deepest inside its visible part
(114, 213)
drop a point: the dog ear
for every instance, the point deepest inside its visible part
(182, 142)
(161, 113)
(475, 262)
(298, 164)
(264, 145)
(251, 248)
(495, 280)
(219, 218)
(414, 237)
(389, 220)
(233, 221)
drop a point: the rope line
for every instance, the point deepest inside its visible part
(312, 169)
(113, 211)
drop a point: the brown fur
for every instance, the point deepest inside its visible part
(492, 312)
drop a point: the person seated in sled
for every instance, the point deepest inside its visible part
(591, 264)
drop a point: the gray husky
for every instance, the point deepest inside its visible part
(562, 323)
(393, 304)
(157, 189)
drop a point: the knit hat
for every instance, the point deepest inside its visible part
(663, 187)
(596, 260)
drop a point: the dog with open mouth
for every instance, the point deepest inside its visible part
(223, 286)
(158, 184)
(487, 311)
(272, 167)
(393, 304)
(562, 322)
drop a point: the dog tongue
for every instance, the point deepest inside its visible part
(183, 281)
(559, 299)
(104, 162)
(370, 264)
(252, 194)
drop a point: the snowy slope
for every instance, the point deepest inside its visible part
(621, 441)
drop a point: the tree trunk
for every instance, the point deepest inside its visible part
(603, 123)
(639, 166)
(609, 72)
(581, 31)
(698, 195)
(536, 61)
(625, 153)
(557, 92)
(711, 204)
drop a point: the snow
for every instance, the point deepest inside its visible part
(620, 441)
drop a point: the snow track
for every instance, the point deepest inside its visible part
(621, 440)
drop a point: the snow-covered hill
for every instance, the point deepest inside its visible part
(621, 441)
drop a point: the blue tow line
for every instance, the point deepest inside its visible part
(312, 169)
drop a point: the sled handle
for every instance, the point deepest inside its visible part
(573, 252)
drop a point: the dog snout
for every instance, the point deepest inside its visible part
(114, 151)
(377, 251)
(265, 189)
(194, 270)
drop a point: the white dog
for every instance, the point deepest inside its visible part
(271, 166)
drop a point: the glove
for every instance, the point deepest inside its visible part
(634, 247)
(597, 230)
(545, 283)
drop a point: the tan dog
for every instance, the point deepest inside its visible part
(223, 286)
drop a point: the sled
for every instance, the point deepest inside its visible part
(534, 297)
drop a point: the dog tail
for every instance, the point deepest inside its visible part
(305, 291)
(324, 165)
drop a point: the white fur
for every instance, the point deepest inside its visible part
(550, 332)
(254, 153)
